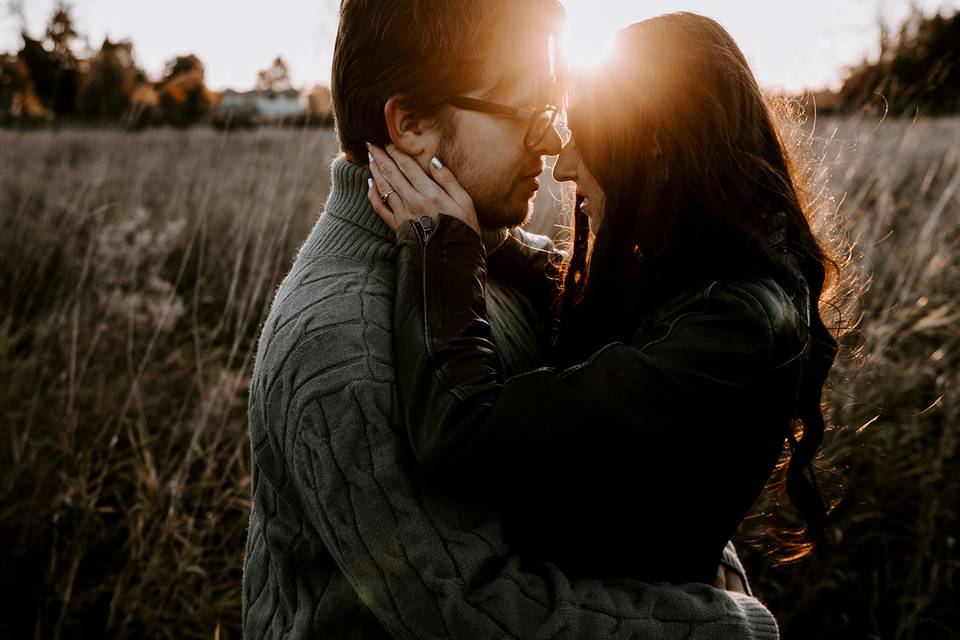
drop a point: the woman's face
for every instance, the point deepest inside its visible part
(570, 167)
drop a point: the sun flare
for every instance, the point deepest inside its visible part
(588, 49)
(591, 27)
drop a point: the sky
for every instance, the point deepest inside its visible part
(791, 45)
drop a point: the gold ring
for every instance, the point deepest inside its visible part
(384, 196)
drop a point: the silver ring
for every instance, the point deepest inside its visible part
(384, 196)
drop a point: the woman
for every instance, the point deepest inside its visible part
(689, 325)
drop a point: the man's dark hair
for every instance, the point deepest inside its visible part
(426, 51)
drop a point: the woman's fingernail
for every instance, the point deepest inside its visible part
(435, 161)
(370, 156)
(370, 183)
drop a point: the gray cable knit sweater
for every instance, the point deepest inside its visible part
(344, 538)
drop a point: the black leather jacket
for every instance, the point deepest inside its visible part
(640, 462)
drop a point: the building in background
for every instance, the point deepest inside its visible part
(264, 105)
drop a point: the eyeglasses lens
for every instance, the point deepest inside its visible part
(540, 126)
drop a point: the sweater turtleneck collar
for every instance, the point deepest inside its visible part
(348, 198)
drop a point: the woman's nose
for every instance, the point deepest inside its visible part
(565, 168)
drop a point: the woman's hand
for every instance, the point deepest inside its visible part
(402, 191)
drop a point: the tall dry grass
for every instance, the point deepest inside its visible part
(137, 269)
(890, 566)
(136, 272)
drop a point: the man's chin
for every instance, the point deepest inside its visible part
(503, 218)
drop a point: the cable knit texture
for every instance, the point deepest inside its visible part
(345, 541)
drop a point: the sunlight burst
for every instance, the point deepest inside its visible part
(588, 49)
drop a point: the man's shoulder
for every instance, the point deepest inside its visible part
(320, 290)
(331, 275)
(337, 255)
(330, 321)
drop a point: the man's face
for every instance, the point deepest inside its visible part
(486, 153)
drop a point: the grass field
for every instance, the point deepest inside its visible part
(137, 269)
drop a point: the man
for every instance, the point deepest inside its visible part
(345, 540)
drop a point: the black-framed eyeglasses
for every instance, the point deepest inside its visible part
(540, 121)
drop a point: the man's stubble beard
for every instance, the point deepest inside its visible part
(492, 206)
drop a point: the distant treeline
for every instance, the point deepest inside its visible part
(918, 70)
(46, 82)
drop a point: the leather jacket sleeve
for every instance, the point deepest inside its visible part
(719, 350)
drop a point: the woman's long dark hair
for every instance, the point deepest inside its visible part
(698, 185)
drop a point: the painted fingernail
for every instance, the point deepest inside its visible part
(370, 183)
(370, 156)
(435, 161)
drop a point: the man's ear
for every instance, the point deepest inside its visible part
(408, 131)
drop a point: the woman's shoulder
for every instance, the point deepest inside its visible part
(759, 295)
(741, 315)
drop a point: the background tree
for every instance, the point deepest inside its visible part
(182, 65)
(108, 88)
(54, 69)
(276, 77)
(18, 99)
(184, 98)
(917, 70)
(60, 31)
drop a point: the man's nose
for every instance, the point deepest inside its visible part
(550, 144)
